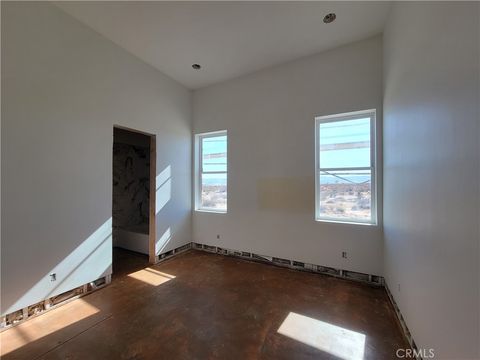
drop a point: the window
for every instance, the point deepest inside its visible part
(211, 172)
(345, 168)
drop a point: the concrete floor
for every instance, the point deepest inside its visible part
(205, 306)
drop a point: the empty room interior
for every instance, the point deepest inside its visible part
(240, 180)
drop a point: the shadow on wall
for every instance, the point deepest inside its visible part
(89, 261)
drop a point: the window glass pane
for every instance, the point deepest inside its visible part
(345, 143)
(214, 153)
(346, 195)
(214, 191)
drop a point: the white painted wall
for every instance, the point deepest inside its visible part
(431, 179)
(64, 87)
(269, 116)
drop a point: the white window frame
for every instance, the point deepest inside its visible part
(199, 170)
(371, 113)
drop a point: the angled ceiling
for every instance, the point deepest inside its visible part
(228, 39)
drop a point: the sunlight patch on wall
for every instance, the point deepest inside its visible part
(335, 340)
(163, 192)
(89, 261)
(163, 241)
(151, 276)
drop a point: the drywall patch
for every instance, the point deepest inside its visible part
(293, 194)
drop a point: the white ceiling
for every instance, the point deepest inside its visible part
(228, 39)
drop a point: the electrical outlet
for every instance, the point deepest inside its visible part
(344, 254)
(53, 277)
(398, 287)
(218, 236)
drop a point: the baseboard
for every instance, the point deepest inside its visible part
(402, 322)
(169, 254)
(40, 308)
(369, 279)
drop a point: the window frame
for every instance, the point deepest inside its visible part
(199, 170)
(371, 113)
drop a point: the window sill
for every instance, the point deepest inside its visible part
(211, 211)
(346, 222)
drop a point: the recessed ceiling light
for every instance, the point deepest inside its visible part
(196, 66)
(329, 18)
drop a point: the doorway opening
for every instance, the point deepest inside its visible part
(133, 200)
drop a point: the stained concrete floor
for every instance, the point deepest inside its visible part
(206, 306)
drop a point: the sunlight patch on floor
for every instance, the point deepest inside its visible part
(151, 276)
(343, 343)
(45, 324)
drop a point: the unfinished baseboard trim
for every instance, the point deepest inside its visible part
(401, 320)
(19, 316)
(169, 254)
(293, 264)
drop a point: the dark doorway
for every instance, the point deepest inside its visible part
(133, 182)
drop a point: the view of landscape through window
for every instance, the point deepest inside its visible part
(214, 173)
(344, 170)
(344, 179)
